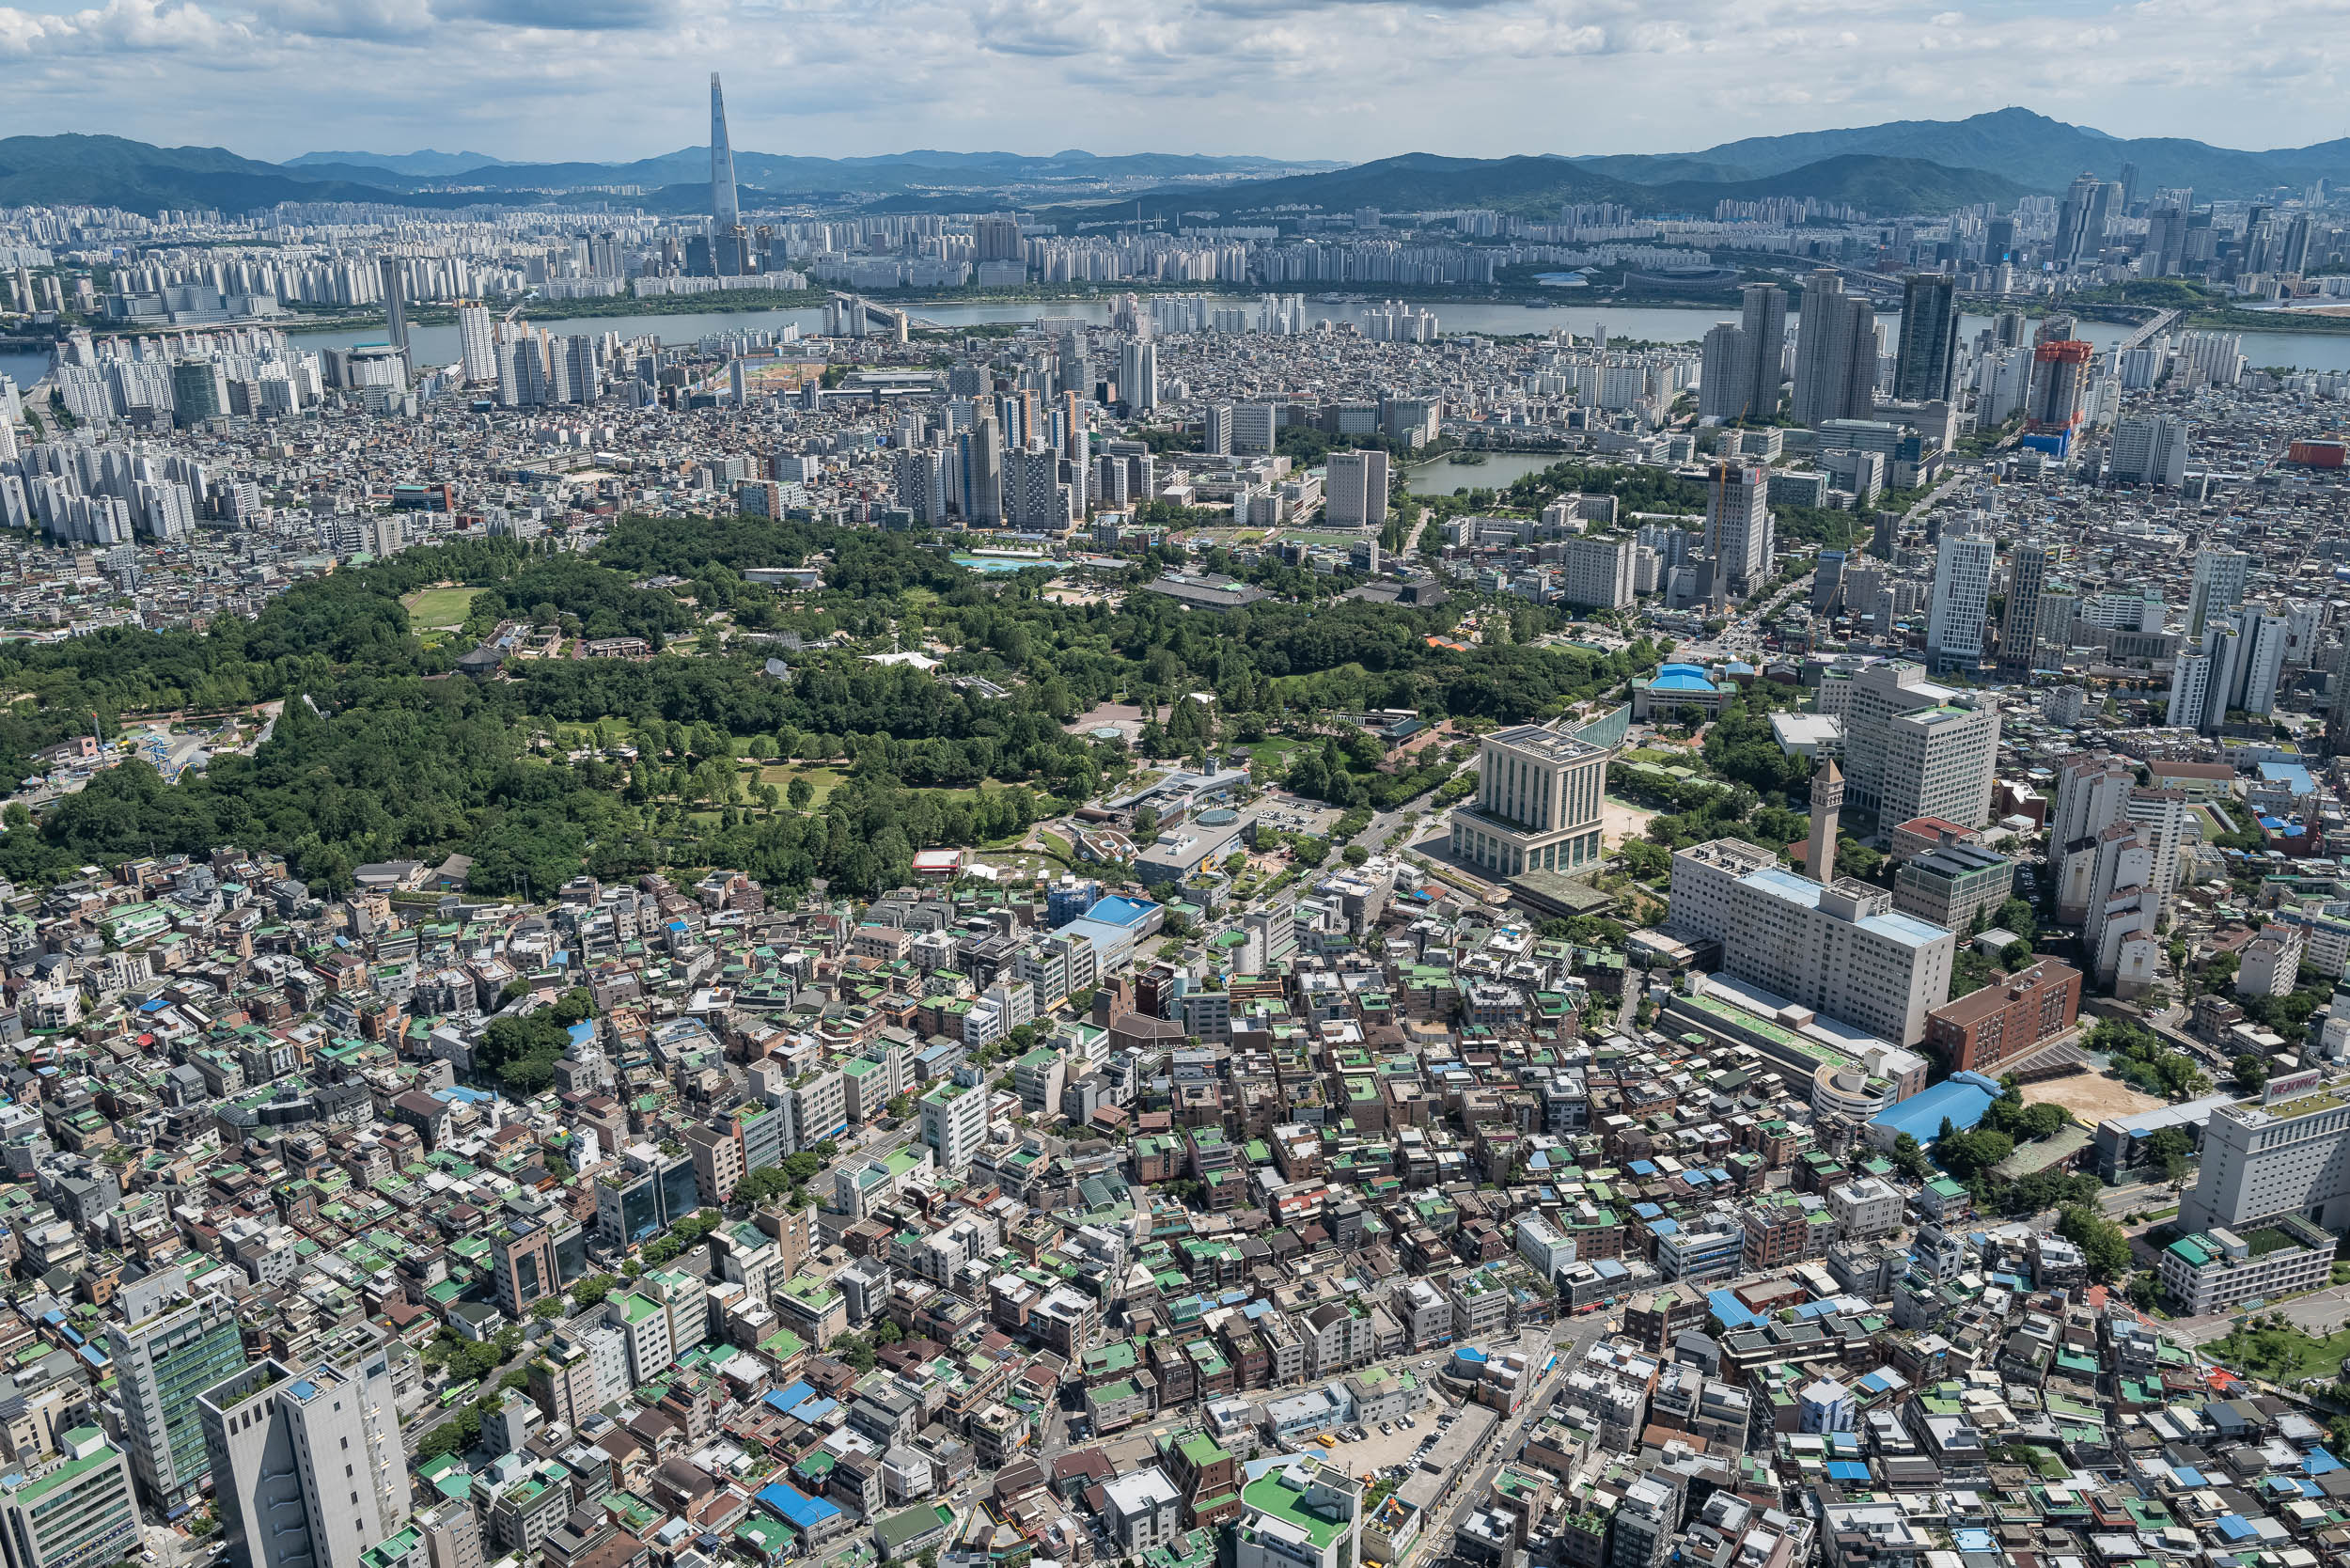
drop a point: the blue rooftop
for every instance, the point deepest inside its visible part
(2290, 774)
(1117, 911)
(1905, 928)
(797, 1508)
(1681, 678)
(1962, 1097)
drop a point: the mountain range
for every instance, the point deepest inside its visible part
(1899, 167)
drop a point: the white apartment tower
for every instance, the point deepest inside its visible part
(2219, 579)
(1738, 528)
(1962, 600)
(1597, 574)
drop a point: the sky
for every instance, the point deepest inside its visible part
(1312, 79)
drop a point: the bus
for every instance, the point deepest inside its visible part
(452, 1395)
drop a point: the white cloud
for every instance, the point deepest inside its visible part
(1352, 79)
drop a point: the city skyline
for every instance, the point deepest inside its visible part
(1179, 76)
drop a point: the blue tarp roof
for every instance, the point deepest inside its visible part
(784, 1399)
(1847, 1469)
(1117, 911)
(2319, 1462)
(1962, 1097)
(797, 1508)
(2235, 1527)
(1729, 1311)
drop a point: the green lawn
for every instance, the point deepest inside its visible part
(439, 606)
(2280, 1354)
(822, 780)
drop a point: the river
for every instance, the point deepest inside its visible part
(437, 344)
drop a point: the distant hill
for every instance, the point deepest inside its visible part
(112, 171)
(424, 163)
(1532, 186)
(2032, 150)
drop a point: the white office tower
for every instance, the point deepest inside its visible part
(1738, 528)
(1537, 806)
(2219, 580)
(307, 1467)
(1839, 948)
(2149, 448)
(2289, 1155)
(1138, 375)
(479, 349)
(1941, 766)
(1356, 489)
(1962, 600)
(1254, 429)
(1216, 431)
(1598, 573)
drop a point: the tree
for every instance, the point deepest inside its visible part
(592, 1291)
(2251, 1073)
(1911, 1159)
(1355, 854)
(799, 792)
(759, 1186)
(2104, 1246)
(2166, 1150)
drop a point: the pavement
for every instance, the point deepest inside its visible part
(2320, 1313)
(1571, 1339)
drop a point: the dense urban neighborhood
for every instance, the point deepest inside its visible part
(1182, 924)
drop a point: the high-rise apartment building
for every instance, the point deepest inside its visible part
(308, 1470)
(2019, 619)
(2220, 582)
(163, 1361)
(393, 278)
(479, 348)
(1836, 354)
(1839, 948)
(1962, 600)
(1216, 434)
(1537, 803)
(1596, 573)
(1725, 375)
(1925, 364)
(1138, 375)
(2148, 449)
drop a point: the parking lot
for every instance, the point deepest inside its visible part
(1378, 1452)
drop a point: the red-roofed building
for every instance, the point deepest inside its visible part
(1924, 835)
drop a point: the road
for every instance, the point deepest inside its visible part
(1571, 1339)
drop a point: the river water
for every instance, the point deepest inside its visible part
(438, 345)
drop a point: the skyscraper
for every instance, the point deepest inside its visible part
(163, 1360)
(1737, 527)
(2220, 578)
(395, 282)
(725, 213)
(1836, 354)
(307, 1467)
(2075, 217)
(1725, 375)
(2148, 449)
(2019, 623)
(1764, 323)
(1925, 365)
